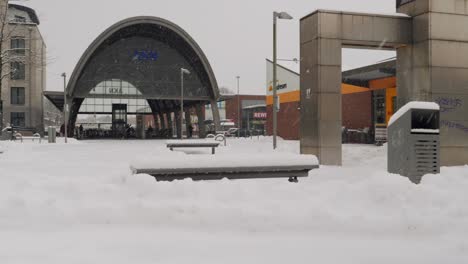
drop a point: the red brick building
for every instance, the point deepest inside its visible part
(368, 98)
(237, 103)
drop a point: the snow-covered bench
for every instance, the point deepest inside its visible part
(193, 143)
(247, 166)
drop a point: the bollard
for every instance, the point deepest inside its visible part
(51, 134)
(38, 136)
(20, 136)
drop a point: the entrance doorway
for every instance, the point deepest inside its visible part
(380, 116)
(119, 120)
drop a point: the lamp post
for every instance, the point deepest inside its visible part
(238, 108)
(65, 117)
(276, 16)
(182, 72)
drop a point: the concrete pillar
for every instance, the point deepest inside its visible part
(435, 68)
(320, 92)
(157, 125)
(201, 121)
(162, 121)
(169, 123)
(177, 116)
(216, 117)
(188, 121)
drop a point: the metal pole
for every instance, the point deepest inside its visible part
(238, 108)
(275, 99)
(65, 110)
(181, 103)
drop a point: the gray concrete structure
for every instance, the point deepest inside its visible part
(432, 65)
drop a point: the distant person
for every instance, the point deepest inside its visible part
(150, 131)
(62, 130)
(190, 131)
(81, 131)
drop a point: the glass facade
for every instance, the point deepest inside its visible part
(221, 105)
(108, 93)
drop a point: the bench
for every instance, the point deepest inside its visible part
(193, 143)
(230, 167)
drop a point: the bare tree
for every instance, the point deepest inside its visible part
(225, 91)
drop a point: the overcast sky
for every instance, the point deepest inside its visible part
(236, 35)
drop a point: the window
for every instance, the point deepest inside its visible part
(17, 71)
(17, 96)
(20, 19)
(18, 119)
(18, 46)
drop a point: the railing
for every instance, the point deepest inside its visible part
(37, 136)
(18, 135)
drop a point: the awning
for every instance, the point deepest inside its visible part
(56, 98)
(362, 76)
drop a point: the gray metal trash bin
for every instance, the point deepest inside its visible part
(414, 141)
(52, 134)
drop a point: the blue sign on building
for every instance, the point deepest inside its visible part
(142, 55)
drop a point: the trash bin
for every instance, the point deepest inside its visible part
(414, 141)
(52, 134)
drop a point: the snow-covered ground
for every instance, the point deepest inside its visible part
(79, 203)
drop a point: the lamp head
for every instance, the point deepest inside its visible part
(283, 15)
(185, 71)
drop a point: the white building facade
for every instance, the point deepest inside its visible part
(23, 68)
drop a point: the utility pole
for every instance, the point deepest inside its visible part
(276, 15)
(182, 72)
(65, 107)
(238, 108)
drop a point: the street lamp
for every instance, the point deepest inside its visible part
(65, 118)
(276, 16)
(182, 72)
(238, 108)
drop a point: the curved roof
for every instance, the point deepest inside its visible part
(32, 14)
(158, 26)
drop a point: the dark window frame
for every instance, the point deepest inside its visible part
(20, 74)
(17, 95)
(18, 119)
(20, 19)
(15, 46)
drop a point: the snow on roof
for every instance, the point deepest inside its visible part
(254, 106)
(413, 105)
(228, 124)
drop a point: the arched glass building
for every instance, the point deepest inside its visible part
(134, 67)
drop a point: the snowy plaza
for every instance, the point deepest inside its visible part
(234, 132)
(80, 203)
